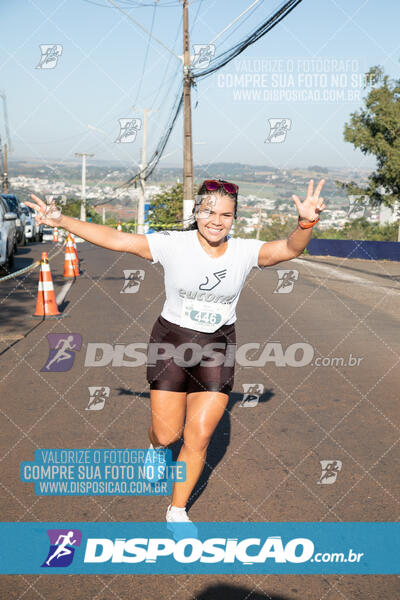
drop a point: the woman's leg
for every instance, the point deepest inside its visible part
(168, 416)
(204, 411)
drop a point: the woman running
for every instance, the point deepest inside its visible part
(190, 359)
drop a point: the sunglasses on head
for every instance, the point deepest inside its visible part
(212, 185)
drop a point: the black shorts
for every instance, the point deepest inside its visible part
(183, 360)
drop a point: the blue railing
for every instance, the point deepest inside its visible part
(355, 249)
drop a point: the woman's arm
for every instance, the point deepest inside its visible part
(108, 237)
(277, 251)
(101, 235)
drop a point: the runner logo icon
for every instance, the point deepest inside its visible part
(252, 393)
(62, 351)
(286, 277)
(278, 129)
(62, 547)
(203, 53)
(50, 53)
(330, 470)
(98, 397)
(133, 279)
(128, 129)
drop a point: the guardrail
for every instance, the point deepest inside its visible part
(355, 249)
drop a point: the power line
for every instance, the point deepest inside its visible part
(164, 97)
(218, 63)
(196, 16)
(156, 156)
(234, 21)
(128, 4)
(227, 56)
(167, 67)
(243, 21)
(143, 28)
(146, 54)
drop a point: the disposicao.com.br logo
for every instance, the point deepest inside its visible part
(247, 551)
(213, 550)
(210, 547)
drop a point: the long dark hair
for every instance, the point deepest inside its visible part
(203, 191)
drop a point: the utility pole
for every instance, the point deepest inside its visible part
(142, 180)
(258, 224)
(3, 97)
(140, 215)
(187, 116)
(83, 193)
(5, 172)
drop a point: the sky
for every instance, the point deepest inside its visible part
(305, 74)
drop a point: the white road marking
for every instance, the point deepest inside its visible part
(64, 291)
(346, 276)
(11, 337)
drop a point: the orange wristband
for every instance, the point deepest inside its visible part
(307, 225)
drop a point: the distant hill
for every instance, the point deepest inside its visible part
(113, 173)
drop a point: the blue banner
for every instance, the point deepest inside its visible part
(201, 548)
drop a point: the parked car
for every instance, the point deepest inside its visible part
(47, 234)
(15, 207)
(35, 231)
(8, 234)
(28, 222)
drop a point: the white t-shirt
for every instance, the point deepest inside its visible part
(202, 292)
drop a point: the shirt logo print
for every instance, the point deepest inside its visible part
(218, 277)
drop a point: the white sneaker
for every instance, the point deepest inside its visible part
(177, 515)
(179, 523)
(159, 465)
(151, 447)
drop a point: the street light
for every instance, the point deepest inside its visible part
(83, 192)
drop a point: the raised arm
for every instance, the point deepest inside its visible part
(277, 251)
(100, 235)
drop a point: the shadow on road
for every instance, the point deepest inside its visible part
(357, 269)
(219, 444)
(219, 441)
(235, 592)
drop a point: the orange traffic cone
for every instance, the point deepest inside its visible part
(75, 250)
(71, 269)
(55, 234)
(46, 305)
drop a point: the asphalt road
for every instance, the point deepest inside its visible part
(263, 463)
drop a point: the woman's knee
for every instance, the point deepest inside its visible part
(165, 436)
(196, 438)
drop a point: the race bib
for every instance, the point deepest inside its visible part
(203, 316)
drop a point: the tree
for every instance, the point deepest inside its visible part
(278, 229)
(73, 209)
(318, 169)
(166, 208)
(375, 129)
(360, 229)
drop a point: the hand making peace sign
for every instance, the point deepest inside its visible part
(313, 205)
(49, 214)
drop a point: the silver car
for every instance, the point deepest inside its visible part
(14, 206)
(8, 237)
(33, 231)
